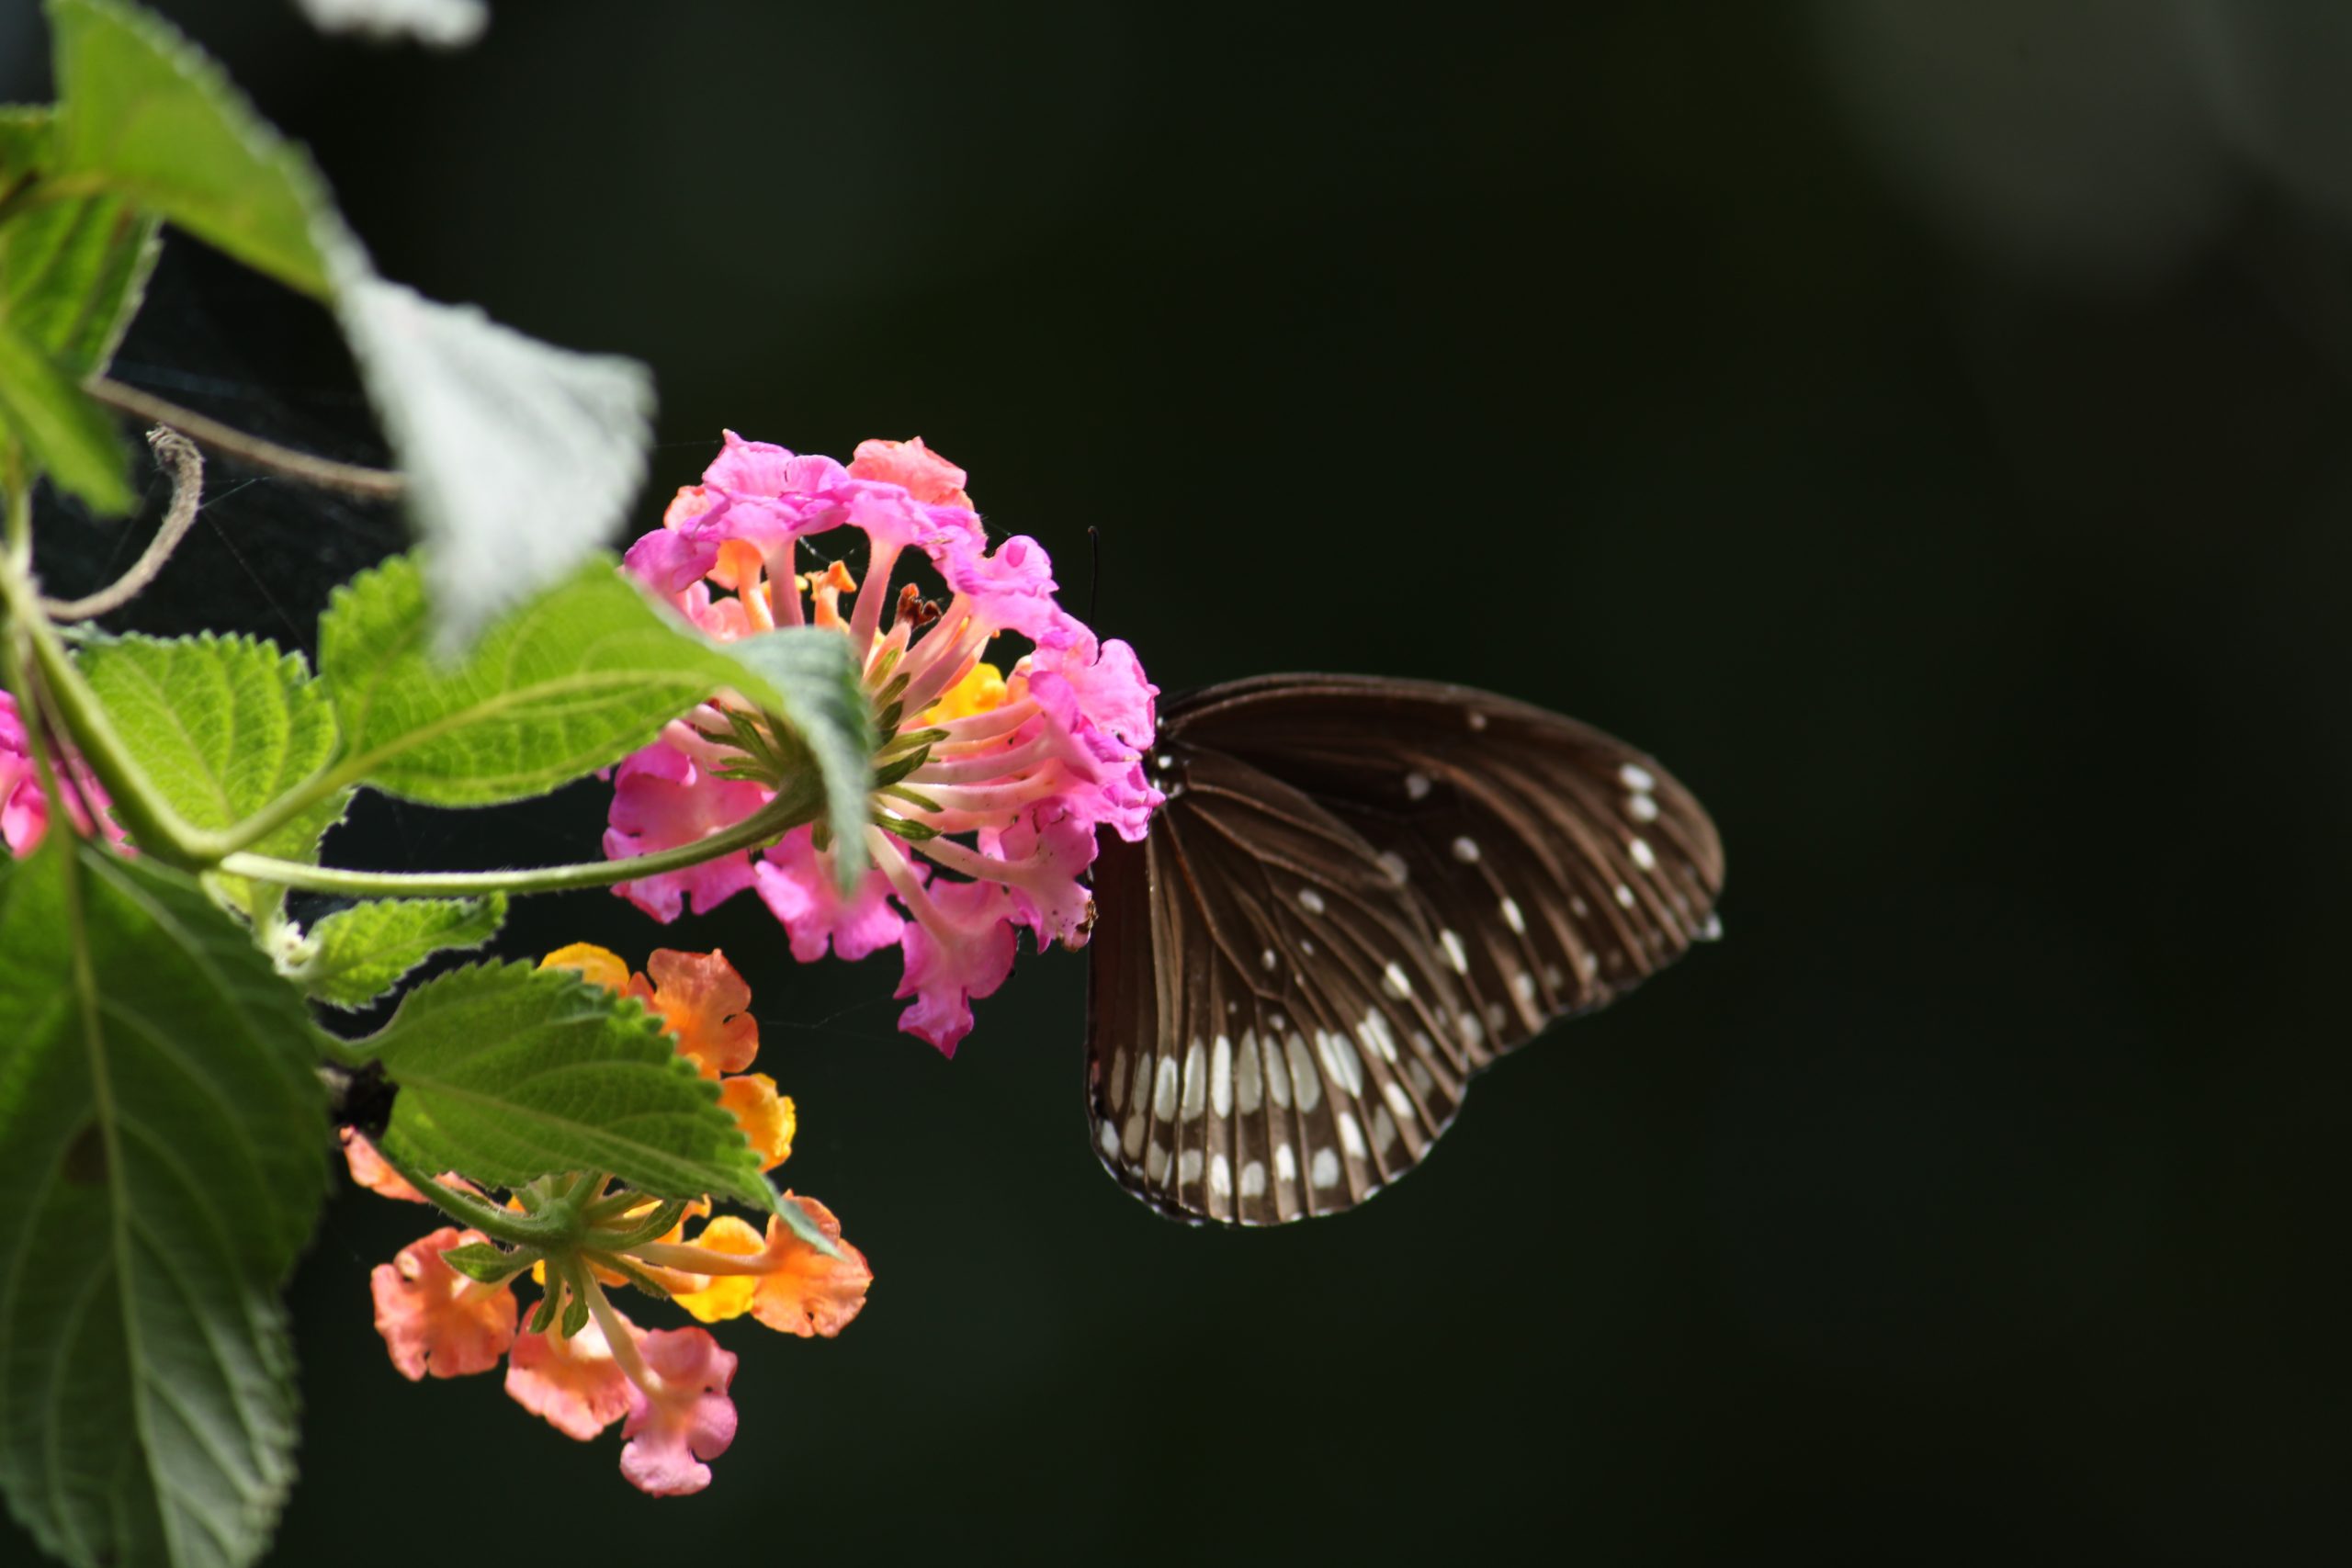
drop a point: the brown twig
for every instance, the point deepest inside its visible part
(351, 478)
(185, 465)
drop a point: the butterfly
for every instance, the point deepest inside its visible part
(1359, 892)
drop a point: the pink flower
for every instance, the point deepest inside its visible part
(433, 1319)
(661, 799)
(959, 949)
(799, 891)
(684, 1417)
(1002, 779)
(24, 810)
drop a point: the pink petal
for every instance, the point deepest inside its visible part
(686, 1419)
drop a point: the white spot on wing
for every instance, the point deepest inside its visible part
(1377, 1036)
(1522, 986)
(1478, 719)
(1285, 1165)
(1131, 1143)
(1310, 900)
(1188, 1168)
(1163, 1094)
(1384, 1129)
(1266, 960)
(1393, 864)
(1109, 1136)
(1253, 1179)
(1465, 851)
(1340, 1059)
(1326, 1172)
(1419, 1075)
(1456, 954)
(1641, 807)
(1624, 895)
(1398, 1101)
(1196, 1082)
(1277, 1075)
(1221, 1078)
(1305, 1081)
(1118, 1100)
(1248, 1086)
(1393, 979)
(1640, 850)
(1154, 1165)
(1636, 778)
(1220, 1176)
(1713, 931)
(1351, 1135)
(1513, 919)
(1417, 786)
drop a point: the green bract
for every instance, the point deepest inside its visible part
(163, 1147)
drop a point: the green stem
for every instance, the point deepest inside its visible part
(20, 528)
(499, 1224)
(765, 826)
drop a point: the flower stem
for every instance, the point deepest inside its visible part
(763, 826)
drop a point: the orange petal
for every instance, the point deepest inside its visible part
(806, 1292)
(597, 965)
(433, 1318)
(765, 1116)
(368, 1169)
(705, 1003)
(726, 1295)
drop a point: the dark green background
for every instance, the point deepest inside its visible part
(1923, 427)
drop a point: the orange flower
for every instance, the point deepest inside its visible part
(725, 1295)
(433, 1318)
(765, 1116)
(706, 1004)
(804, 1292)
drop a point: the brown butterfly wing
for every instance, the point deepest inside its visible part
(1361, 891)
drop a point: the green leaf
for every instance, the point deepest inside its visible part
(808, 677)
(522, 459)
(71, 271)
(354, 955)
(575, 680)
(162, 1136)
(70, 437)
(507, 1074)
(145, 115)
(222, 726)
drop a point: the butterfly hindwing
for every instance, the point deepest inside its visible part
(1359, 892)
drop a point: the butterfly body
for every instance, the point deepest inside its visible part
(1359, 892)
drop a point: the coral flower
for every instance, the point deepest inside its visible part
(433, 1319)
(997, 779)
(576, 1385)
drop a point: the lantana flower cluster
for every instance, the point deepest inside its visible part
(446, 1305)
(992, 781)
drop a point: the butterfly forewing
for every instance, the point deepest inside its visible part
(1359, 892)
